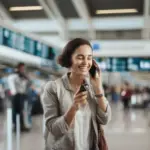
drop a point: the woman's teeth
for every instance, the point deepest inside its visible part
(83, 68)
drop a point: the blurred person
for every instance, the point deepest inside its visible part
(115, 93)
(6, 87)
(2, 97)
(72, 116)
(139, 97)
(18, 84)
(146, 97)
(34, 100)
(32, 93)
(126, 95)
(31, 96)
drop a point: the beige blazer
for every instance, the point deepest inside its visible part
(57, 98)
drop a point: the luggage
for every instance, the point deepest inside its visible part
(37, 107)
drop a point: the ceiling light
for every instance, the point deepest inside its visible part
(25, 8)
(116, 11)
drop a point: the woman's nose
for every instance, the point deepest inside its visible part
(85, 61)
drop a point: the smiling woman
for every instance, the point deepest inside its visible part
(78, 60)
(68, 126)
(65, 59)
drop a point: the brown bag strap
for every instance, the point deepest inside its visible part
(102, 143)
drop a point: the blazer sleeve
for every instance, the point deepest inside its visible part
(103, 117)
(55, 123)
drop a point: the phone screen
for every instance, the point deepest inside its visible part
(82, 88)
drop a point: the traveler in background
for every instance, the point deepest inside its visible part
(18, 84)
(126, 95)
(115, 93)
(72, 117)
(2, 98)
(146, 97)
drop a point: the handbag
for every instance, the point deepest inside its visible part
(102, 143)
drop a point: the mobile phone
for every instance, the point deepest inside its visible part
(92, 71)
(82, 88)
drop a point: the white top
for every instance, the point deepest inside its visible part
(82, 128)
(17, 84)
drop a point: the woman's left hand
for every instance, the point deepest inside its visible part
(97, 80)
(98, 88)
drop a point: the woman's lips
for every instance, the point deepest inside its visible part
(83, 68)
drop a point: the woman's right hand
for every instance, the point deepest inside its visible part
(80, 99)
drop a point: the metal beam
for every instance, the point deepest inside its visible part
(4, 14)
(60, 19)
(100, 24)
(55, 14)
(83, 12)
(48, 12)
(52, 5)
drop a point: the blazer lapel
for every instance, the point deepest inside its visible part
(92, 105)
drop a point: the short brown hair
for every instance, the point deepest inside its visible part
(65, 58)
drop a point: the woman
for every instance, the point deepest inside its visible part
(126, 95)
(62, 102)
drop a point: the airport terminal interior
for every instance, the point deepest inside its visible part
(33, 33)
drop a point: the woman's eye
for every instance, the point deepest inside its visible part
(80, 58)
(90, 58)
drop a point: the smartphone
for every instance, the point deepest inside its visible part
(92, 71)
(82, 88)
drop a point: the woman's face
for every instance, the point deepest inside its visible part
(82, 60)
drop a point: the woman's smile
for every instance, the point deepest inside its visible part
(84, 68)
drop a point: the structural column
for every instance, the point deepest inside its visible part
(146, 29)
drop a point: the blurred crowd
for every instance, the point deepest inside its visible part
(21, 93)
(131, 96)
(134, 96)
(32, 92)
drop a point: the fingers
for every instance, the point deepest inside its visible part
(79, 102)
(80, 94)
(80, 98)
(77, 92)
